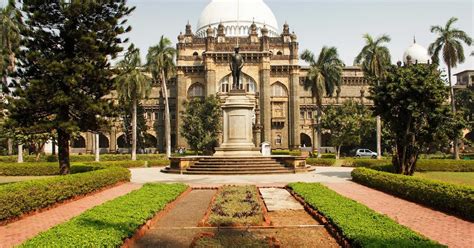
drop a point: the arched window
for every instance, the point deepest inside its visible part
(279, 90)
(246, 81)
(279, 53)
(196, 55)
(196, 90)
(78, 142)
(278, 140)
(103, 141)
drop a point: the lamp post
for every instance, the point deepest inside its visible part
(97, 147)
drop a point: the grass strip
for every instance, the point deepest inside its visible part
(446, 197)
(236, 205)
(362, 226)
(109, 224)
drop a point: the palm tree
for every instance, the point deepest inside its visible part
(324, 75)
(9, 44)
(449, 42)
(374, 59)
(132, 85)
(160, 62)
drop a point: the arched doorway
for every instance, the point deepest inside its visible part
(150, 141)
(122, 141)
(103, 141)
(305, 140)
(78, 142)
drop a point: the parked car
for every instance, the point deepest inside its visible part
(360, 153)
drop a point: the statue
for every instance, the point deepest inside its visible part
(236, 65)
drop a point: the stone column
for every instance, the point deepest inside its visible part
(180, 98)
(89, 143)
(265, 101)
(294, 106)
(113, 140)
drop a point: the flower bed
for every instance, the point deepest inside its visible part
(446, 197)
(236, 206)
(361, 226)
(20, 198)
(109, 224)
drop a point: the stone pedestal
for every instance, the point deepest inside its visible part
(238, 126)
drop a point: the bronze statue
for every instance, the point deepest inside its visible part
(236, 65)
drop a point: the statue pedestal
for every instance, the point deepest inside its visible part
(238, 135)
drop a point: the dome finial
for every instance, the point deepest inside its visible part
(414, 39)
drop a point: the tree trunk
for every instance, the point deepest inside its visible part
(379, 138)
(10, 146)
(39, 150)
(453, 108)
(134, 131)
(63, 152)
(319, 131)
(338, 153)
(97, 148)
(20, 154)
(167, 115)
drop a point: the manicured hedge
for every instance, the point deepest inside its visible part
(40, 169)
(158, 163)
(445, 165)
(286, 152)
(23, 197)
(86, 158)
(109, 224)
(320, 161)
(446, 197)
(362, 226)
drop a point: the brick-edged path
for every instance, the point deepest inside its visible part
(445, 229)
(17, 232)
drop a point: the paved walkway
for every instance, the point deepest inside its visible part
(435, 225)
(172, 230)
(18, 232)
(322, 174)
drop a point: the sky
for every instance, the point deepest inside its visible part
(320, 22)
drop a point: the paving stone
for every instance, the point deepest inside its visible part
(279, 199)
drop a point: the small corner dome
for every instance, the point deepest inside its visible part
(237, 16)
(417, 54)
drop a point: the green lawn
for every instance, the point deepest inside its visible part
(464, 178)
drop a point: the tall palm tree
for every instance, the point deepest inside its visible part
(324, 75)
(132, 85)
(9, 44)
(160, 62)
(374, 59)
(449, 42)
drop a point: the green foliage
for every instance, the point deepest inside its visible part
(374, 57)
(446, 197)
(465, 104)
(445, 165)
(415, 94)
(202, 123)
(23, 197)
(86, 158)
(321, 161)
(346, 123)
(236, 205)
(72, 78)
(37, 169)
(286, 152)
(126, 110)
(109, 224)
(362, 226)
(10, 25)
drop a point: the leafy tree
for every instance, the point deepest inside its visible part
(64, 69)
(449, 43)
(410, 101)
(201, 123)
(126, 110)
(160, 62)
(132, 86)
(325, 74)
(375, 59)
(344, 122)
(465, 104)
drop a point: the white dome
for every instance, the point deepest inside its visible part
(417, 53)
(237, 16)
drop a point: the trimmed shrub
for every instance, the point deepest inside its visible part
(83, 158)
(158, 163)
(124, 164)
(362, 226)
(320, 161)
(23, 197)
(109, 224)
(445, 165)
(446, 197)
(40, 169)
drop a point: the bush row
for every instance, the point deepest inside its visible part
(446, 197)
(422, 164)
(52, 168)
(362, 226)
(320, 161)
(109, 224)
(84, 158)
(286, 152)
(23, 197)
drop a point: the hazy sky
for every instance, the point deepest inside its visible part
(320, 22)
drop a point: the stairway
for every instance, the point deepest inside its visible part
(236, 166)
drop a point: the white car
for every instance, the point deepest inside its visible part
(365, 153)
